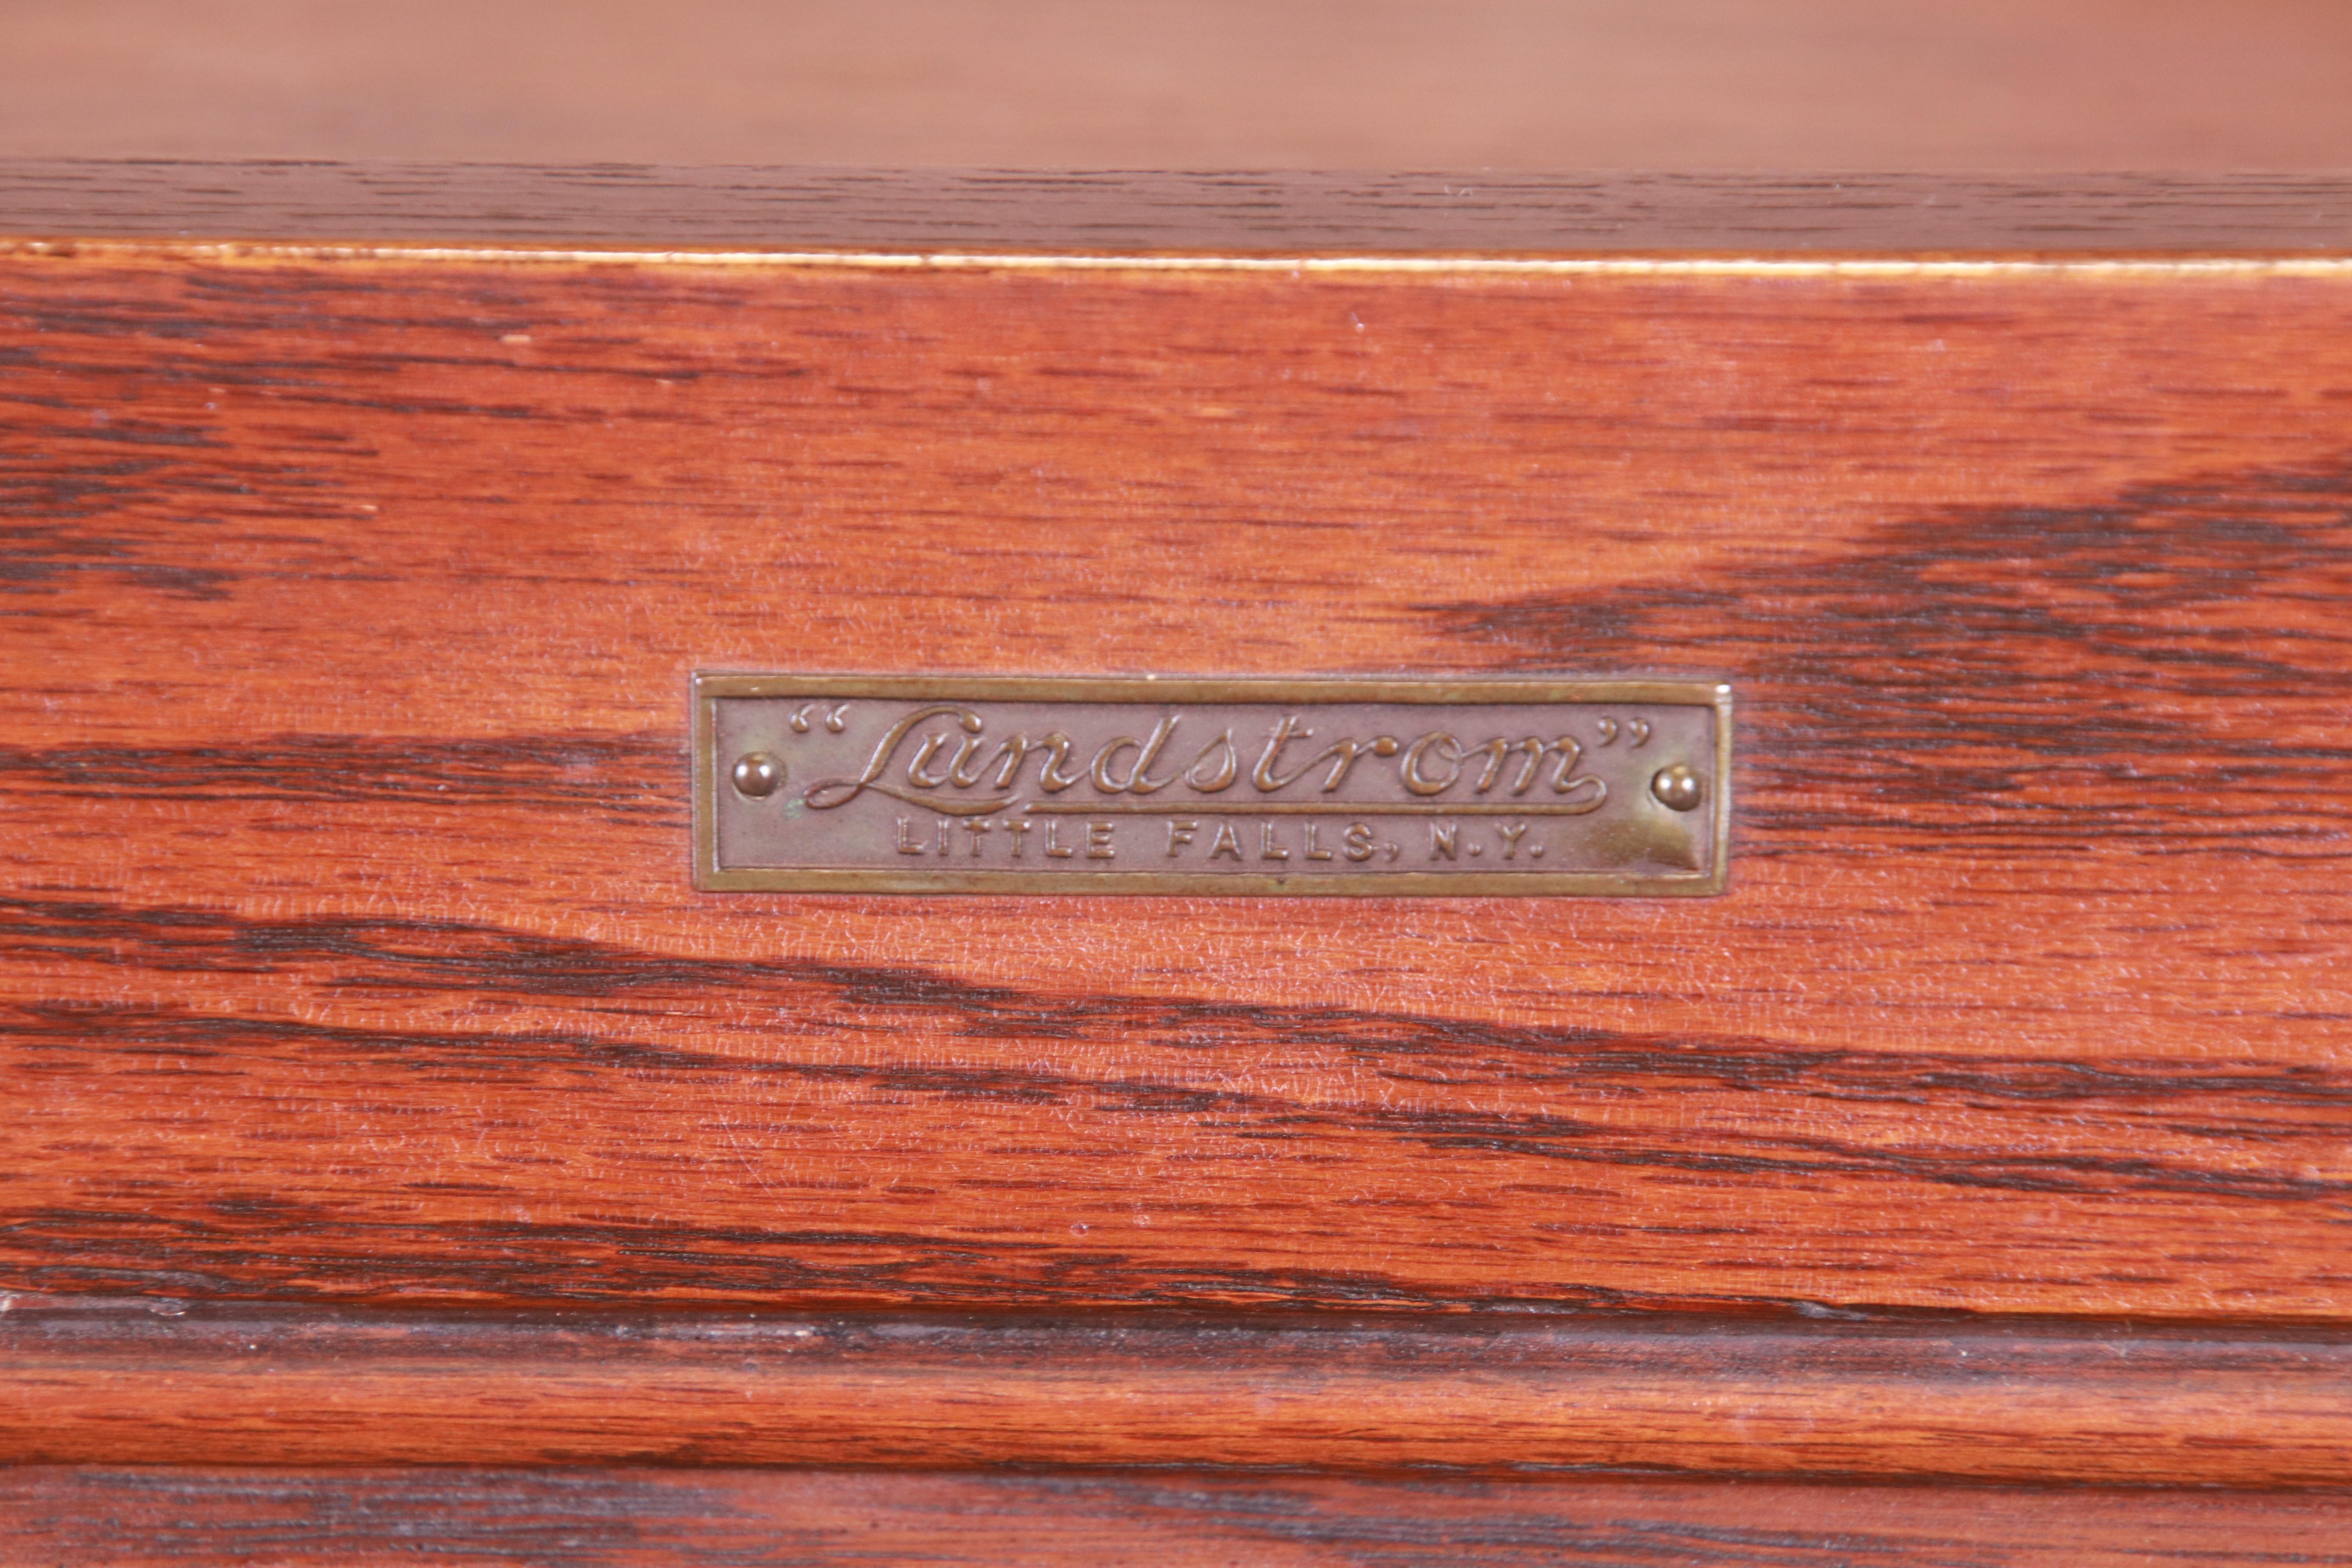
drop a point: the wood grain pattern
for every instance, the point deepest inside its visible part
(1480, 212)
(2024, 1401)
(350, 951)
(591, 1518)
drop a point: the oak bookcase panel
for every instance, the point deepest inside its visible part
(351, 963)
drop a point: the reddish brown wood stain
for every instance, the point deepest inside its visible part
(350, 949)
(589, 1519)
(2035, 1400)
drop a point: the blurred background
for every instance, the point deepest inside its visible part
(1992, 85)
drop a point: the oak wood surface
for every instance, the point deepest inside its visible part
(2038, 1400)
(350, 951)
(1478, 212)
(591, 1519)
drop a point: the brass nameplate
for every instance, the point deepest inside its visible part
(1477, 787)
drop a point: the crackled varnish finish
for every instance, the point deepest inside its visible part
(382, 1092)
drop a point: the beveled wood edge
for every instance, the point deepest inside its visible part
(1923, 1398)
(1269, 218)
(2087, 266)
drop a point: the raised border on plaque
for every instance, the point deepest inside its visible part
(715, 792)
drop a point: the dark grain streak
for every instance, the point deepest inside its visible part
(627, 775)
(2048, 1127)
(2118, 672)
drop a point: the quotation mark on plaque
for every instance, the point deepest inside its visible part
(1637, 728)
(834, 720)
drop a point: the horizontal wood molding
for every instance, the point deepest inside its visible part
(1478, 211)
(197, 1384)
(585, 1517)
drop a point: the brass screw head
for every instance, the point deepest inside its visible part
(1678, 788)
(758, 775)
